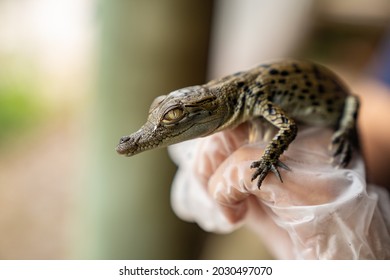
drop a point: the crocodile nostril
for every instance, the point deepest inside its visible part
(124, 139)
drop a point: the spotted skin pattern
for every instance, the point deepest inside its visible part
(284, 93)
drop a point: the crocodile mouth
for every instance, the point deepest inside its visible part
(131, 145)
(137, 142)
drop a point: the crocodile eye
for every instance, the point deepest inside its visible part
(173, 115)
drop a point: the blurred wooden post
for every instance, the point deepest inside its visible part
(147, 48)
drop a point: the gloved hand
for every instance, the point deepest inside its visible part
(318, 212)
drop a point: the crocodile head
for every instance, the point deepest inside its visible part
(179, 116)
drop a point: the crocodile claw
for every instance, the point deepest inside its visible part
(341, 148)
(263, 167)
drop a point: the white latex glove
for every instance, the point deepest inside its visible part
(319, 212)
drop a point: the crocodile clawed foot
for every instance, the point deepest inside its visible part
(264, 166)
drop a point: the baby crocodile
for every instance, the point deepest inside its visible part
(283, 93)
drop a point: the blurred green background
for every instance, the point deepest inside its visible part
(76, 75)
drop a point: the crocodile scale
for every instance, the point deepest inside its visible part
(284, 93)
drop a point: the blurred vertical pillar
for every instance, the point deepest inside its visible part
(147, 48)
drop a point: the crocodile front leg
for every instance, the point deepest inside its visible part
(286, 134)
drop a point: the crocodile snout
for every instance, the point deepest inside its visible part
(125, 146)
(128, 145)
